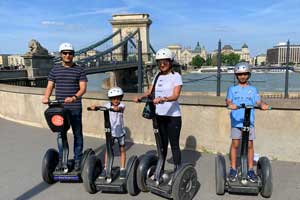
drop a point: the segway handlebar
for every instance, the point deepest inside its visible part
(250, 107)
(101, 108)
(55, 102)
(145, 100)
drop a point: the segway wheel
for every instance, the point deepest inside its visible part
(49, 163)
(86, 154)
(91, 170)
(264, 171)
(220, 174)
(146, 162)
(131, 184)
(185, 185)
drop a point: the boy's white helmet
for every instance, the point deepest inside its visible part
(164, 53)
(242, 67)
(114, 92)
(66, 47)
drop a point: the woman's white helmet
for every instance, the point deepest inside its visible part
(242, 67)
(114, 92)
(66, 47)
(164, 53)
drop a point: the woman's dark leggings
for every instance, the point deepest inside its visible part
(169, 129)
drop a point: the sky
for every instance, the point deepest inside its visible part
(260, 24)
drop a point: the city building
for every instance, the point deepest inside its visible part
(4, 60)
(243, 52)
(260, 60)
(16, 61)
(277, 55)
(184, 56)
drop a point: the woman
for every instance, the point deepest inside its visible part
(166, 93)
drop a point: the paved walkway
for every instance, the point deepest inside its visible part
(22, 149)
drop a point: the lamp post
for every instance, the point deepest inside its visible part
(219, 69)
(286, 88)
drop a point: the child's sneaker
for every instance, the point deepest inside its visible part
(252, 176)
(122, 173)
(232, 175)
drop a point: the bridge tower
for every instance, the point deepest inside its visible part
(129, 23)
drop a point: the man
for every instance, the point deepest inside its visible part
(70, 84)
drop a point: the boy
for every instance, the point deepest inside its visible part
(242, 93)
(115, 95)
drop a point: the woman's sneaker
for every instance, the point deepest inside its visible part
(232, 175)
(122, 173)
(252, 176)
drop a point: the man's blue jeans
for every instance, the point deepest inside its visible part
(62, 140)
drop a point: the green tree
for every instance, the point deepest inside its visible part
(230, 59)
(198, 61)
(208, 61)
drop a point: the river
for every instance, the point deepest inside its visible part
(207, 82)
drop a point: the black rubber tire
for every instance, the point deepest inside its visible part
(146, 161)
(264, 171)
(131, 183)
(220, 174)
(88, 152)
(185, 185)
(91, 170)
(49, 163)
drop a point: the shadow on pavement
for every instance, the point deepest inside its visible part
(34, 191)
(189, 154)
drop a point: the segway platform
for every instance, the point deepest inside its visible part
(116, 185)
(163, 188)
(73, 176)
(239, 187)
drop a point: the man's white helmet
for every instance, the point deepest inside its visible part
(164, 53)
(66, 47)
(114, 92)
(242, 67)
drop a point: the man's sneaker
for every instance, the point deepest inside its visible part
(232, 175)
(103, 173)
(77, 165)
(58, 166)
(65, 169)
(122, 173)
(252, 176)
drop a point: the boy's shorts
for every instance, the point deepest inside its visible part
(120, 140)
(236, 133)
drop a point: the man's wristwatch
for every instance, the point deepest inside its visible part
(76, 97)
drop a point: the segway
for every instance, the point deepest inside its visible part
(264, 185)
(58, 120)
(94, 182)
(181, 184)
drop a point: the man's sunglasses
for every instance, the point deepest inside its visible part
(68, 52)
(242, 74)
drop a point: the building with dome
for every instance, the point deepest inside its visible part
(243, 52)
(184, 56)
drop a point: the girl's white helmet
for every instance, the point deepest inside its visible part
(114, 92)
(242, 67)
(66, 47)
(164, 53)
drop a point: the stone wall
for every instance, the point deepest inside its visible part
(205, 121)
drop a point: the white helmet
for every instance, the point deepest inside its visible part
(66, 47)
(242, 67)
(164, 53)
(114, 92)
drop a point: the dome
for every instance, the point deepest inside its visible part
(245, 45)
(227, 47)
